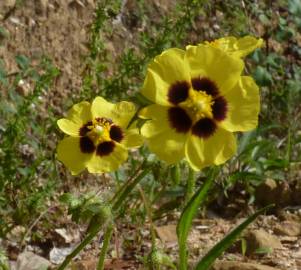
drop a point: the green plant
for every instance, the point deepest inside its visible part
(23, 144)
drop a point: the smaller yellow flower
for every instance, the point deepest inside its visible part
(98, 136)
(237, 47)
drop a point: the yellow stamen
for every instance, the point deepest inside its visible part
(198, 105)
(100, 130)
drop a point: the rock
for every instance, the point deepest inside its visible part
(16, 234)
(260, 239)
(232, 265)
(6, 6)
(30, 261)
(64, 236)
(58, 255)
(288, 239)
(297, 194)
(167, 233)
(23, 88)
(271, 191)
(87, 264)
(289, 228)
(285, 215)
(266, 192)
(41, 7)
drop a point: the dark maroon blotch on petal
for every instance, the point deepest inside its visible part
(220, 108)
(204, 128)
(179, 119)
(206, 85)
(105, 148)
(178, 92)
(116, 133)
(86, 145)
(84, 129)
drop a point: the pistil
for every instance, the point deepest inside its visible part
(198, 105)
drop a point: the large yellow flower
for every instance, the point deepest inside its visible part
(200, 100)
(98, 136)
(237, 47)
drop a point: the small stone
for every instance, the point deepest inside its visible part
(288, 239)
(64, 236)
(87, 264)
(41, 7)
(16, 234)
(23, 88)
(58, 255)
(266, 192)
(289, 228)
(30, 261)
(6, 6)
(272, 192)
(167, 233)
(260, 239)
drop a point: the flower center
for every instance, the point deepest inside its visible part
(99, 130)
(198, 105)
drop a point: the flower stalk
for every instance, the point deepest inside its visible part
(119, 199)
(103, 252)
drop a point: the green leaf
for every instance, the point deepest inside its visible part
(243, 246)
(22, 61)
(188, 214)
(2, 73)
(227, 241)
(3, 32)
(122, 194)
(245, 140)
(262, 76)
(264, 250)
(294, 6)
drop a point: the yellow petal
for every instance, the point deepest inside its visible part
(80, 113)
(69, 127)
(102, 108)
(166, 69)
(167, 144)
(123, 113)
(68, 151)
(217, 149)
(237, 47)
(159, 121)
(110, 162)
(243, 106)
(246, 45)
(132, 138)
(120, 113)
(226, 43)
(215, 64)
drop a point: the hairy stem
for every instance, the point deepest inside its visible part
(106, 242)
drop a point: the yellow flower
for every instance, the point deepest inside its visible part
(201, 99)
(98, 136)
(237, 47)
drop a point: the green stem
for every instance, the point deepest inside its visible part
(128, 188)
(79, 248)
(148, 209)
(124, 191)
(190, 185)
(106, 242)
(128, 181)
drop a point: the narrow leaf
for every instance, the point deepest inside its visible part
(227, 241)
(128, 188)
(187, 216)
